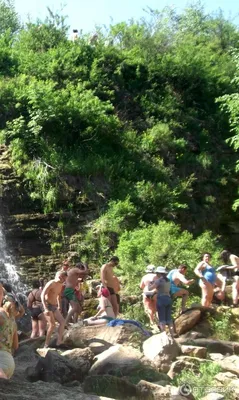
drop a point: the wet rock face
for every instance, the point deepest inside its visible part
(34, 238)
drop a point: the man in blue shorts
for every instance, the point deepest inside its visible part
(177, 276)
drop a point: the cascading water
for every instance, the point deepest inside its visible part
(8, 270)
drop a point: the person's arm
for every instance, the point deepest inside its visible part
(235, 261)
(103, 275)
(15, 342)
(45, 291)
(21, 312)
(30, 300)
(198, 270)
(183, 280)
(1, 294)
(59, 301)
(142, 284)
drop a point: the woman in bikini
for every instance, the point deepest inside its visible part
(35, 306)
(105, 313)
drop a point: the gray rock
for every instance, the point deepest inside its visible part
(161, 349)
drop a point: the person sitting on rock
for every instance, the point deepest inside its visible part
(51, 297)
(105, 312)
(208, 277)
(231, 271)
(8, 335)
(177, 276)
(71, 293)
(149, 298)
(164, 300)
(35, 306)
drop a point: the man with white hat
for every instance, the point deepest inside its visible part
(149, 298)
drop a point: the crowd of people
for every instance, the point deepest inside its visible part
(161, 287)
(60, 300)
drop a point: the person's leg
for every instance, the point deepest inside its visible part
(73, 310)
(113, 300)
(42, 325)
(51, 326)
(161, 314)
(92, 322)
(59, 318)
(204, 288)
(2, 374)
(235, 290)
(184, 294)
(35, 330)
(168, 317)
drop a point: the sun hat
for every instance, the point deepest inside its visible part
(150, 268)
(161, 270)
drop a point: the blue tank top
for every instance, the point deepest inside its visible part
(209, 274)
(170, 275)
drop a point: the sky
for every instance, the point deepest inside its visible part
(86, 14)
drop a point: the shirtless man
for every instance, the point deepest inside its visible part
(51, 297)
(227, 257)
(74, 276)
(149, 300)
(176, 276)
(107, 279)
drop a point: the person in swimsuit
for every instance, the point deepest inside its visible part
(51, 297)
(208, 278)
(107, 279)
(71, 293)
(116, 288)
(35, 306)
(149, 299)
(8, 335)
(177, 276)
(164, 302)
(105, 313)
(231, 271)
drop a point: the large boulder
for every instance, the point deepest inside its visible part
(119, 389)
(162, 392)
(119, 360)
(194, 351)
(224, 378)
(81, 360)
(187, 321)
(161, 349)
(82, 336)
(230, 364)
(23, 390)
(212, 345)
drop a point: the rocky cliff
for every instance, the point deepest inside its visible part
(39, 242)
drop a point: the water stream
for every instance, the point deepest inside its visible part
(8, 269)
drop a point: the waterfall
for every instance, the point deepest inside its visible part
(8, 270)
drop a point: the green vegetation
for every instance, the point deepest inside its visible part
(201, 383)
(135, 122)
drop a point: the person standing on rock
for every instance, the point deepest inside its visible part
(8, 335)
(149, 298)
(51, 297)
(208, 278)
(227, 257)
(107, 279)
(71, 293)
(35, 306)
(164, 300)
(177, 276)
